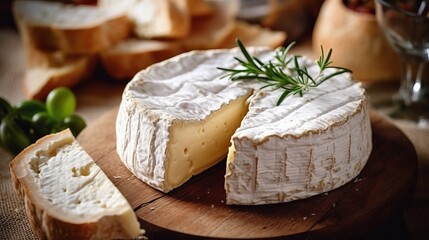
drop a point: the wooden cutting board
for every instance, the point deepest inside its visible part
(197, 209)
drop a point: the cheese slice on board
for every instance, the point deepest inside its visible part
(177, 118)
(67, 196)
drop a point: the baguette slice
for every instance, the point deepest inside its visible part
(209, 31)
(66, 195)
(48, 70)
(199, 8)
(160, 19)
(154, 19)
(128, 57)
(253, 35)
(40, 80)
(81, 29)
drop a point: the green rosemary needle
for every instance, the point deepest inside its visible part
(285, 72)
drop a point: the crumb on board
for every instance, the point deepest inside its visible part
(358, 180)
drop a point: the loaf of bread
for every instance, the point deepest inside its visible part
(128, 57)
(82, 29)
(67, 196)
(357, 42)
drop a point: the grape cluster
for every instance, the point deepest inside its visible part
(29, 120)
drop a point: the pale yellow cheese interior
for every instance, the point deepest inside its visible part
(196, 146)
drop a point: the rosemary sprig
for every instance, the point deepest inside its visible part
(285, 73)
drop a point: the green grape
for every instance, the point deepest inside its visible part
(75, 123)
(42, 123)
(58, 127)
(61, 103)
(12, 136)
(28, 108)
(5, 108)
(26, 126)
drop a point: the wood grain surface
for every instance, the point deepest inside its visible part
(197, 210)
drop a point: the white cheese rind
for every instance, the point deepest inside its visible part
(186, 88)
(306, 146)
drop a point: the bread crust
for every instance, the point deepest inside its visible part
(253, 35)
(357, 43)
(199, 8)
(123, 63)
(39, 81)
(46, 70)
(208, 32)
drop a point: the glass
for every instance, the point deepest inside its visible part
(405, 24)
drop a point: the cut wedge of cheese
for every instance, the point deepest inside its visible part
(170, 127)
(306, 146)
(67, 196)
(176, 117)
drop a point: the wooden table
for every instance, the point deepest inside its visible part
(197, 209)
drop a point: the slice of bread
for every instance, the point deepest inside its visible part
(59, 71)
(128, 57)
(47, 70)
(82, 29)
(67, 196)
(154, 19)
(160, 19)
(209, 31)
(199, 8)
(253, 35)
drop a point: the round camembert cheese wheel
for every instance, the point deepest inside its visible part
(181, 116)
